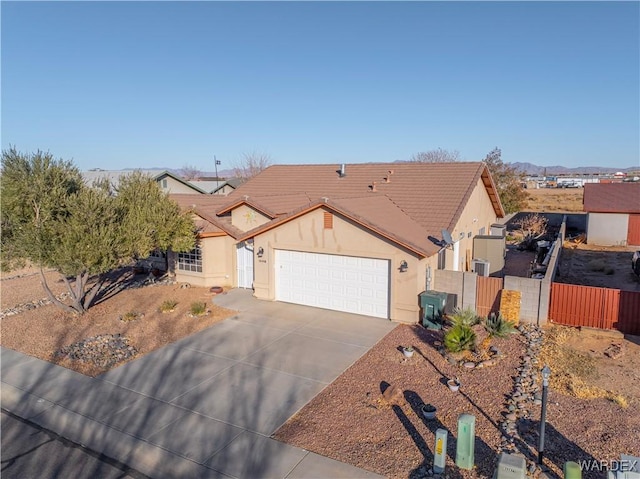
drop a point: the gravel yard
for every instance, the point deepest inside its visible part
(45, 331)
(351, 422)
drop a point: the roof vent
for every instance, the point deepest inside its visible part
(373, 187)
(343, 170)
(325, 199)
(246, 197)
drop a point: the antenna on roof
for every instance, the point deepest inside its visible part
(446, 236)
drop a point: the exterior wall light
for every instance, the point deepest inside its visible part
(260, 252)
(403, 266)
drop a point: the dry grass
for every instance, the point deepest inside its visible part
(133, 313)
(566, 200)
(573, 371)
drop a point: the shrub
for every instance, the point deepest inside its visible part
(198, 308)
(497, 326)
(130, 316)
(460, 338)
(464, 317)
(168, 306)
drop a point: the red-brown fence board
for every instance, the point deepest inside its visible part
(629, 315)
(488, 295)
(603, 308)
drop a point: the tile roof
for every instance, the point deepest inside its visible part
(389, 221)
(432, 194)
(405, 202)
(207, 185)
(206, 207)
(612, 197)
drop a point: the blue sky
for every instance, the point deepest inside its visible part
(143, 84)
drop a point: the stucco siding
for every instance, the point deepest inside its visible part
(218, 262)
(175, 187)
(477, 214)
(607, 229)
(246, 218)
(307, 233)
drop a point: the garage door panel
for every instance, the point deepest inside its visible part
(344, 283)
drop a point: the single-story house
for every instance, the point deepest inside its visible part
(167, 181)
(361, 238)
(217, 187)
(613, 213)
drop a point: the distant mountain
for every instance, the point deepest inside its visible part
(531, 169)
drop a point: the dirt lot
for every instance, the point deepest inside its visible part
(563, 200)
(602, 266)
(43, 331)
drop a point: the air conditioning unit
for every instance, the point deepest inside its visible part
(480, 266)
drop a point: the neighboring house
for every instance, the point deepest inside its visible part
(613, 213)
(229, 186)
(359, 238)
(220, 187)
(167, 181)
(208, 186)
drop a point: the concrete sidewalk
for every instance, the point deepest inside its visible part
(207, 405)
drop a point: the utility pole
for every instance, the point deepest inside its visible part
(216, 162)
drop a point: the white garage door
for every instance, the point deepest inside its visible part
(342, 283)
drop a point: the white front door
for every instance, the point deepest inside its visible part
(245, 265)
(343, 283)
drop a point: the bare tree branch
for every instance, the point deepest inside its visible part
(436, 156)
(251, 164)
(190, 172)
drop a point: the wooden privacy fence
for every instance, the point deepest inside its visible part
(603, 308)
(488, 295)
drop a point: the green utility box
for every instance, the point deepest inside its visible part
(433, 304)
(465, 445)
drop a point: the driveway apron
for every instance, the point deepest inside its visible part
(210, 400)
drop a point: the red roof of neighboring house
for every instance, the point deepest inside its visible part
(405, 202)
(612, 197)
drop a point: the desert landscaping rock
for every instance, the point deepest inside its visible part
(104, 351)
(614, 351)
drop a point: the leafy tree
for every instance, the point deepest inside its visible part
(52, 219)
(251, 164)
(436, 156)
(508, 182)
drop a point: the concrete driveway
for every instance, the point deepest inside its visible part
(207, 404)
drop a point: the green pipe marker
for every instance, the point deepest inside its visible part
(465, 444)
(572, 470)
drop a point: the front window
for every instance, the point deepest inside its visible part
(191, 261)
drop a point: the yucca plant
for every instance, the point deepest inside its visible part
(497, 326)
(460, 338)
(464, 317)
